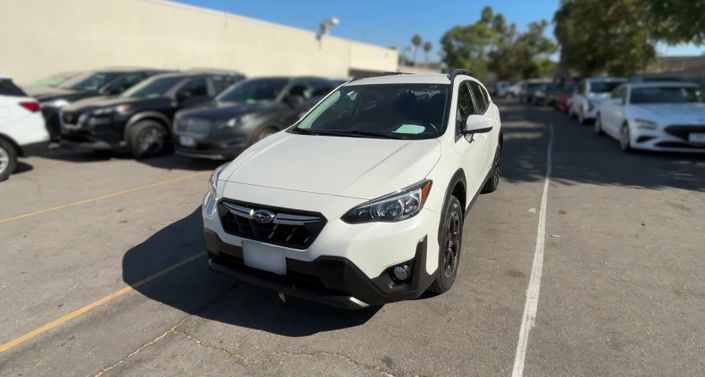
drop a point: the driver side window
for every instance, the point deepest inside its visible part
(464, 109)
(197, 87)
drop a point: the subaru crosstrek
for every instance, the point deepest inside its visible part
(362, 201)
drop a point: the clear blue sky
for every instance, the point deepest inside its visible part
(394, 22)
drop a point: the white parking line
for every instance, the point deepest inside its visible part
(532, 293)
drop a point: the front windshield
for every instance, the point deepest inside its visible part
(668, 94)
(88, 81)
(254, 91)
(53, 80)
(604, 86)
(152, 88)
(398, 111)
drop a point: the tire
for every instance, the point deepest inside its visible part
(8, 159)
(451, 246)
(625, 142)
(581, 118)
(147, 138)
(493, 182)
(597, 128)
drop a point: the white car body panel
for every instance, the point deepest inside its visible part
(19, 124)
(584, 102)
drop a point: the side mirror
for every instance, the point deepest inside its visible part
(475, 124)
(294, 100)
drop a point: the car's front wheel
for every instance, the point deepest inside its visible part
(147, 139)
(8, 159)
(597, 127)
(625, 141)
(450, 246)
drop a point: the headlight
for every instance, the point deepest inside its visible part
(645, 124)
(234, 122)
(123, 108)
(396, 206)
(57, 103)
(214, 177)
(103, 111)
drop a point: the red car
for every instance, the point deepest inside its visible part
(562, 102)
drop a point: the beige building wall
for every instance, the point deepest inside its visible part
(40, 37)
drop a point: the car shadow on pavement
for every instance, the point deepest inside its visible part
(194, 289)
(167, 160)
(580, 156)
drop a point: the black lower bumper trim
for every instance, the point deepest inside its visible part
(34, 148)
(330, 280)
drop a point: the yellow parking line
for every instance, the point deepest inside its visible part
(76, 313)
(108, 196)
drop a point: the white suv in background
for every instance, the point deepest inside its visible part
(362, 201)
(589, 94)
(22, 128)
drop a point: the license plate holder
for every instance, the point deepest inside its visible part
(697, 137)
(264, 257)
(187, 141)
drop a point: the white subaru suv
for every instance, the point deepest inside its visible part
(362, 201)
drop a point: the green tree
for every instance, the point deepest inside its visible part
(427, 47)
(416, 42)
(678, 21)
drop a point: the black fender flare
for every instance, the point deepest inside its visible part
(458, 177)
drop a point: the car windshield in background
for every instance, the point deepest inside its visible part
(152, 88)
(604, 86)
(88, 81)
(254, 91)
(395, 111)
(673, 94)
(53, 80)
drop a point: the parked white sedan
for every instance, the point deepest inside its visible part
(658, 116)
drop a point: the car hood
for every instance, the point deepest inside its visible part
(101, 102)
(221, 110)
(672, 113)
(363, 168)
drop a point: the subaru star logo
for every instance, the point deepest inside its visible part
(263, 216)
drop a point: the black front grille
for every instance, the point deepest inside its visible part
(675, 144)
(682, 131)
(291, 228)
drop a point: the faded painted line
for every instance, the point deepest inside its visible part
(532, 292)
(77, 313)
(102, 197)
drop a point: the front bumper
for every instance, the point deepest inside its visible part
(658, 140)
(218, 147)
(98, 133)
(346, 265)
(329, 280)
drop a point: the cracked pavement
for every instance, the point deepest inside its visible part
(621, 293)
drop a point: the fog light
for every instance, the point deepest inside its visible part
(402, 272)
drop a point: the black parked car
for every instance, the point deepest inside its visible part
(245, 113)
(545, 95)
(529, 89)
(139, 120)
(89, 84)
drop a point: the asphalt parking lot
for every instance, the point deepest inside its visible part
(103, 274)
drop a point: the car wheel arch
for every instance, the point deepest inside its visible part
(13, 143)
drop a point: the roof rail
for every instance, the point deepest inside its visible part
(458, 71)
(388, 73)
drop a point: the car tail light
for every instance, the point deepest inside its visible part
(32, 106)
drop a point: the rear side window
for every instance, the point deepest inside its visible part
(197, 87)
(321, 87)
(8, 88)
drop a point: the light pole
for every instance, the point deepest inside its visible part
(326, 25)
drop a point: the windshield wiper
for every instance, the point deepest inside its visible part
(352, 133)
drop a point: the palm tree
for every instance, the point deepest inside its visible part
(416, 42)
(427, 47)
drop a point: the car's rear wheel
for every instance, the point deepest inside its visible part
(598, 125)
(8, 159)
(492, 183)
(625, 142)
(147, 139)
(450, 246)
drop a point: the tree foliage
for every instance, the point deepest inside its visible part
(491, 45)
(619, 36)
(678, 21)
